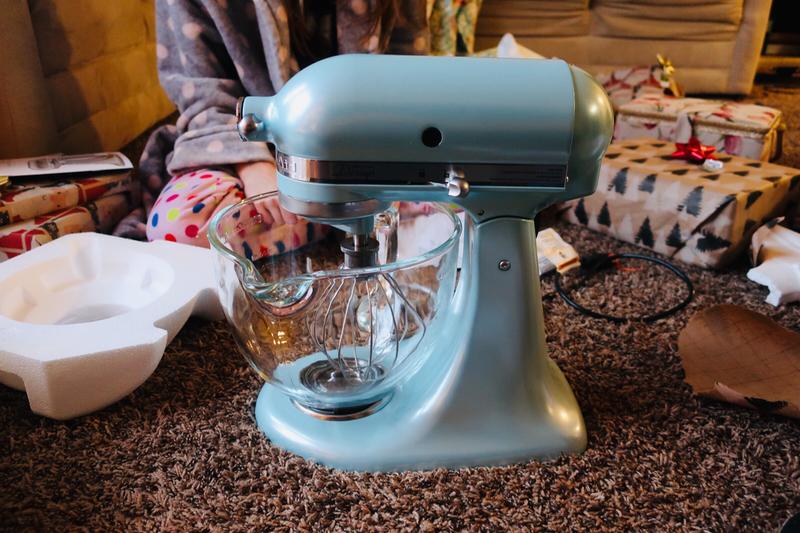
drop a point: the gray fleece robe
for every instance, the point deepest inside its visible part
(211, 52)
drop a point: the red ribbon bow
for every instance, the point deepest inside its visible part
(693, 151)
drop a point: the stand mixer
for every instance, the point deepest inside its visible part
(501, 138)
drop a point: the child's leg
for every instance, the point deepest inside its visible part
(184, 208)
(273, 239)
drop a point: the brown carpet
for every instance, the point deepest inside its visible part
(183, 453)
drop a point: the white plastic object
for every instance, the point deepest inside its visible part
(553, 252)
(713, 165)
(509, 47)
(776, 251)
(85, 319)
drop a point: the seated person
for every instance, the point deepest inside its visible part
(210, 53)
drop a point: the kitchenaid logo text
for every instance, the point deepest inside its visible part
(352, 170)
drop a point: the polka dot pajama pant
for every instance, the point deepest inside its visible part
(184, 209)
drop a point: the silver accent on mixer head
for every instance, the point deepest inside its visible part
(422, 173)
(331, 211)
(456, 185)
(247, 126)
(239, 108)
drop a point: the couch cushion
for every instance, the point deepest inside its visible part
(98, 62)
(667, 19)
(70, 33)
(25, 112)
(533, 18)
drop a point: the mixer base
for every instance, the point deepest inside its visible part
(487, 394)
(412, 432)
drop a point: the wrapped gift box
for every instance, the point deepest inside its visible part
(677, 208)
(746, 130)
(625, 85)
(101, 215)
(28, 198)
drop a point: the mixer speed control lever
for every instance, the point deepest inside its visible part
(456, 185)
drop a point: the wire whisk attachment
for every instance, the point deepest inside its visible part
(364, 325)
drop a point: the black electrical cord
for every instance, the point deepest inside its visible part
(592, 264)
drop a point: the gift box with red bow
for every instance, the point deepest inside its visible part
(745, 130)
(651, 194)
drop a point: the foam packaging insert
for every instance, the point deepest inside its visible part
(85, 319)
(776, 251)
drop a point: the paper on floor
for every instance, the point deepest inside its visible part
(776, 251)
(735, 355)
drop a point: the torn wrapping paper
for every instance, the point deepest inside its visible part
(776, 251)
(24, 200)
(101, 216)
(741, 357)
(677, 208)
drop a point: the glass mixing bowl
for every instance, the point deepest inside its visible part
(336, 340)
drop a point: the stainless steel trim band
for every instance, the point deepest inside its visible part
(403, 173)
(324, 210)
(239, 108)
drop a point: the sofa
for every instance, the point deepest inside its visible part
(80, 75)
(715, 45)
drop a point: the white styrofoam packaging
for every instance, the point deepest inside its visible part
(776, 252)
(85, 319)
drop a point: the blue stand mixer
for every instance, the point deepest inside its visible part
(502, 139)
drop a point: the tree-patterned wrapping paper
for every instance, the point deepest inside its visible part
(101, 216)
(677, 208)
(746, 130)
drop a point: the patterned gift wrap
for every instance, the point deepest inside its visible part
(677, 208)
(101, 215)
(32, 198)
(625, 85)
(746, 130)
